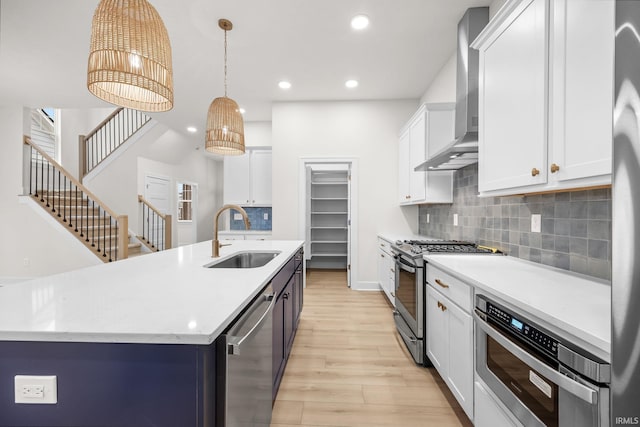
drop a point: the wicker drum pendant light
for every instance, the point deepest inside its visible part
(225, 127)
(130, 56)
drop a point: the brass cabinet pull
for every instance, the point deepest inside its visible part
(535, 172)
(392, 294)
(554, 168)
(441, 306)
(392, 270)
(407, 197)
(382, 255)
(439, 282)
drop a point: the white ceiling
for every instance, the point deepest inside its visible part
(44, 47)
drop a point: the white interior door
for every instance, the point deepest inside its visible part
(158, 193)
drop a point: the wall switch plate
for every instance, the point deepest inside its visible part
(455, 220)
(36, 389)
(265, 216)
(536, 223)
(237, 217)
(427, 218)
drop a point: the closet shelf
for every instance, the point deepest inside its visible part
(330, 183)
(325, 227)
(329, 198)
(328, 241)
(329, 213)
(329, 255)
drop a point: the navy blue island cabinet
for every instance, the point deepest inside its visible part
(287, 285)
(137, 384)
(112, 384)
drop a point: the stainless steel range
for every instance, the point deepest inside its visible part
(410, 284)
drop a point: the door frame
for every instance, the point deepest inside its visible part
(170, 201)
(194, 209)
(352, 162)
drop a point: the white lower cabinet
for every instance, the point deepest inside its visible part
(386, 270)
(488, 412)
(450, 344)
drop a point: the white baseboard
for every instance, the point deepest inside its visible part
(366, 286)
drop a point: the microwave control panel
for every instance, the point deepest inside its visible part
(519, 327)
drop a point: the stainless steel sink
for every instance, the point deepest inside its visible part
(244, 260)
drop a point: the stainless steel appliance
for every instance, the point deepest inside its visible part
(410, 284)
(543, 379)
(243, 358)
(625, 346)
(463, 151)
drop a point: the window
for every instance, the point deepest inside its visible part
(45, 130)
(185, 195)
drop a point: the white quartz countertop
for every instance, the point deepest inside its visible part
(165, 297)
(572, 306)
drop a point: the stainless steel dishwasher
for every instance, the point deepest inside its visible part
(243, 358)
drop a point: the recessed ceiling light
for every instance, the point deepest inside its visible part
(360, 22)
(192, 129)
(242, 111)
(351, 84)
(284, 84)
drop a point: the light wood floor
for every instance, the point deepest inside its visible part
(349, 367)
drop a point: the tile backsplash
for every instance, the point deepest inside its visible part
(256, 216)
(576, 225)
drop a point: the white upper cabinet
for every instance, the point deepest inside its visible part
(431, 124)
(546, 96)
(247, 178)
(581, 115)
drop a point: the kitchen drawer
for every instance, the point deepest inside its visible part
(385, 245)
(456, 290)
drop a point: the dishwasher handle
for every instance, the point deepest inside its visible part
(234, 343)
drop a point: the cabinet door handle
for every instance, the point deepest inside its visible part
(392, 270)
(392, 294)
(439, 282)
(554, 168)
(285, 295)
(535, 172)
(441, 306)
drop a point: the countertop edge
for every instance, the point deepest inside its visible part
(583, 338)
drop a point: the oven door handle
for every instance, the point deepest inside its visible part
(403, 265)
(564, 382)
(407, 337)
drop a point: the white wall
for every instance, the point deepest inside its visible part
(443, 86)
(26, 233)
(257, 134)
(366, 130)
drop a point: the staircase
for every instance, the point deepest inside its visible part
(68, 201)
(87, 222)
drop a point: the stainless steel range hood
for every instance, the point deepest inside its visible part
(463, 150)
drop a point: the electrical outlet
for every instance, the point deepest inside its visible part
(37, 389)
(455, 220)
(26, 262)
(427, 218)
(536, 223)
(265, 216)
(237, 217)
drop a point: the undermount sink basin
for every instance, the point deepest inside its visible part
(244, 260)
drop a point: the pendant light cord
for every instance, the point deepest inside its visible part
(225, 63)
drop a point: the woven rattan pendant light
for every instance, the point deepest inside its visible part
(225, 127)
(130, 56)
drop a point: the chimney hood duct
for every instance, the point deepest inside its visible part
(463, 150)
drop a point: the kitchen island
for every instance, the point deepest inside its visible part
(131, 342)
